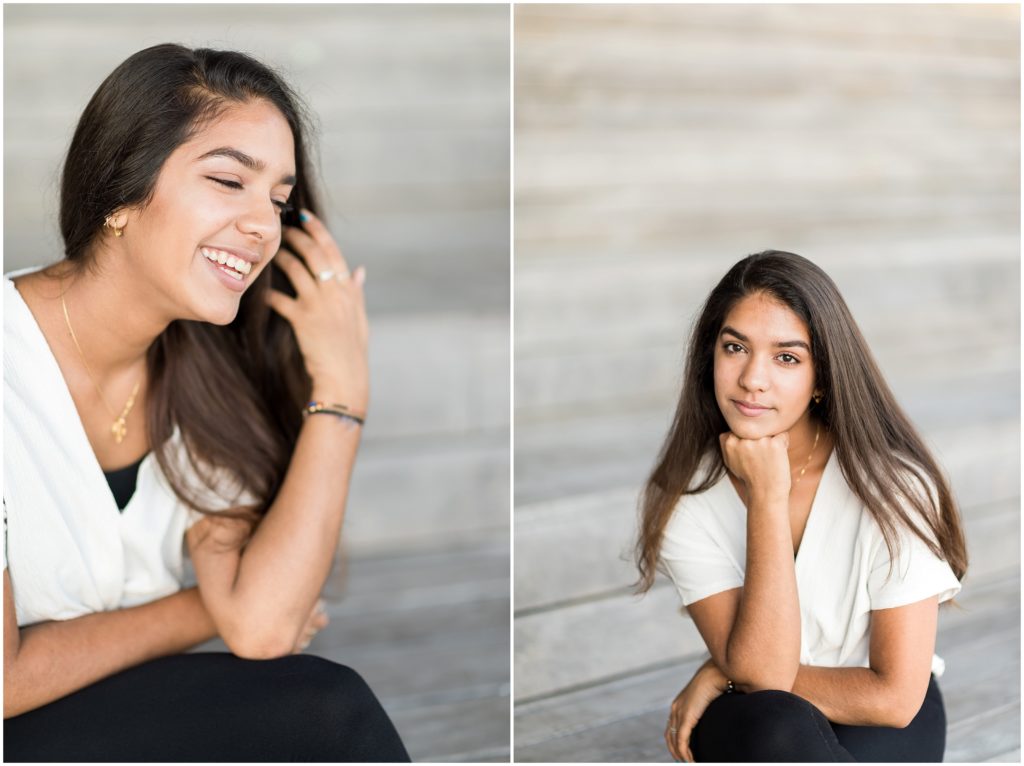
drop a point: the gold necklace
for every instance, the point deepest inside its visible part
(817, 432)
(119, 429)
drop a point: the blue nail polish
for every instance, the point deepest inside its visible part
(303, 216)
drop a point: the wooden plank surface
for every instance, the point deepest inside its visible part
(602, 449)
(577, 547)
(654, 295)
(411, 105)
(429, 631)
(623, 720)
(663, 126)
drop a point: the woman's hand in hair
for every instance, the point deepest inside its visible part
(688, 707)
(761, 464)
(329, 317)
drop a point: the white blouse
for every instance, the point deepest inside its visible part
(841, 565)
(68, 549)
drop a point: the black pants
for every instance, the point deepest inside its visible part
(772, 726)
(212, 707)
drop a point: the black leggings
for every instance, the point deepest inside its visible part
(772, 726)
(212, 707)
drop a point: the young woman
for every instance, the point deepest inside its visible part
(808, 530)
(165, 385)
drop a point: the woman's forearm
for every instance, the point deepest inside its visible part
(763, 651)
(851, 696)
(56, 658)
(283, 567)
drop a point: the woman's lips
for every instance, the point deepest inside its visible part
(235, 285)
(750, 412)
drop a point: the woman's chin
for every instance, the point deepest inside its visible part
(748, 430)
(224, 318)
(222, 314)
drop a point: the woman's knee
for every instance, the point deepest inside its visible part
(776, 726)
(326, 685)
(336, 709)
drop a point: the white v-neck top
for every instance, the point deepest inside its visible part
(841, 565)
(68, 549)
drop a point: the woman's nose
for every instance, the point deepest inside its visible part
(754, 376)
(261, 221)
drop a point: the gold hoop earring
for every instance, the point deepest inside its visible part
(109, 223)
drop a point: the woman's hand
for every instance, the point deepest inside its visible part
(329, 317)
(317, 621)
(687, 708)
(761, 464)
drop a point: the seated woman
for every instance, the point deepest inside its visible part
(809, 532)
(159, 392)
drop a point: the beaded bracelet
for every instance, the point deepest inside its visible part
(339, 410)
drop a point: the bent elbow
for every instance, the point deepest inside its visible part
(14, 702)
(903, 722)
(901, 716)
(894, 719)
(768, 685)
(252, 645)
(901, 702)
(762, 679)
(763, 682)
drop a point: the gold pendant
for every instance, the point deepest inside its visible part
(119, 430)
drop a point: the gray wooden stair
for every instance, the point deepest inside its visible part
(624, 719)
(411, 106)
(655, 147)
(429, 631)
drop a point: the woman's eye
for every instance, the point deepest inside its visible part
(282, 207)
(792, 359)
(229, 184)
(732, 348)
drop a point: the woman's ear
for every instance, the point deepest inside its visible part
(116, 222)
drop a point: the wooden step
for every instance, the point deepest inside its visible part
(600, 448)
(578, 547)
(624, 719)
(551, 658)
(429, 632)
(654, 295)
(436, 492)
(648, 371)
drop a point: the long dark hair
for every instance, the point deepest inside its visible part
(876, 444)
(156, 100)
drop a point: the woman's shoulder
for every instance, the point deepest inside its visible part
(22, 289)
(706, 497)
(915, 485)
(27, 275)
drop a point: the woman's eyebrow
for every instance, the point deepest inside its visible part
(779, 344)
(253, 164)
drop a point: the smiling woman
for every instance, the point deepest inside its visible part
(814, 573)
(160, 383)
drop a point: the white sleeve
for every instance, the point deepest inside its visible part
(697, 563)
(217, 490)
(916, 574)
(226, 493)
(5, 534)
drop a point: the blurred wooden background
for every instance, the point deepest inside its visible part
(654, 147)
(413, 111)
